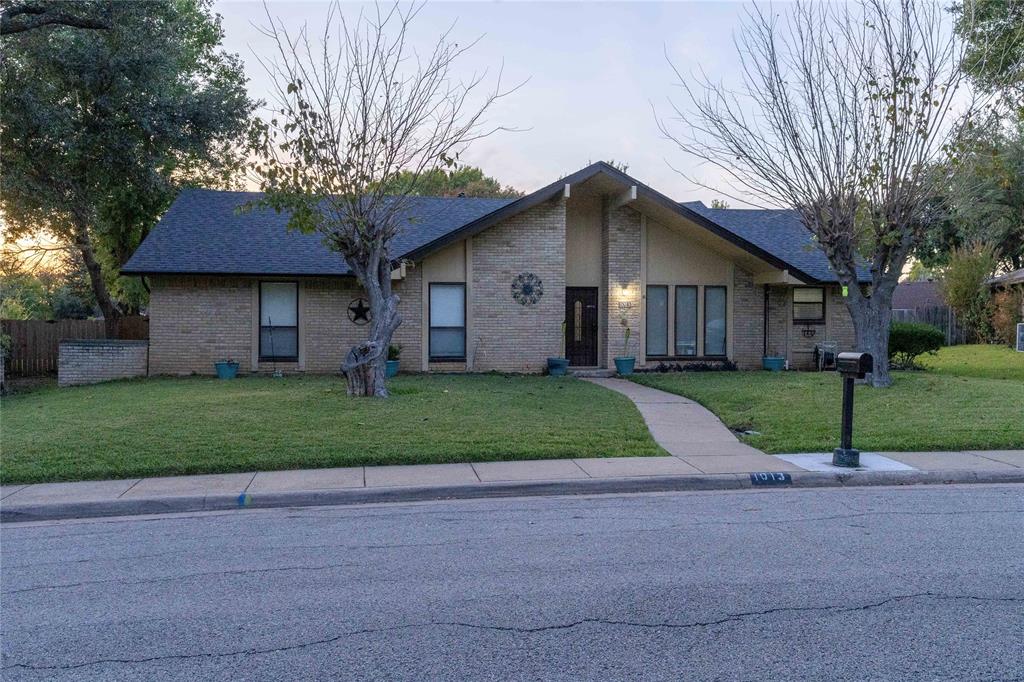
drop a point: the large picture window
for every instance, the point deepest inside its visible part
(279, 321)
(809, 304)
(657, 320)
(714, 320)
(447, 321)
(686, 320)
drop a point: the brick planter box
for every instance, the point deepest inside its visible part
(92, 361)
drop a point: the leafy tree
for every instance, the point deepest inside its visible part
(360, 119)
(994, 33)
(17, 16)
(965, 289)
(985, 197)
(467, 181)
(719, 203)
(101, 127)
(843, 114)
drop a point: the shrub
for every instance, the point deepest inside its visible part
(965, 290)
(394, 351)
(1006, 309)
(908, 340)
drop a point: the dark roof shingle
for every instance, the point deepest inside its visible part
(777, 231)
(204, 233)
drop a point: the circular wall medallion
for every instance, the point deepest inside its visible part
(359, 311)
(527, 288)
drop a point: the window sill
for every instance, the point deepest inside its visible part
(817, 322)
(446, 360)
(686, 358)
(277, 359)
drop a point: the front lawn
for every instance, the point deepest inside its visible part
(156, 427)
(800, 411)
(986, 361)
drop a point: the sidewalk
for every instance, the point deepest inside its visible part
(362, 485)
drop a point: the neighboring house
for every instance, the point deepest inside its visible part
(486, 284)
(1010, 281)
(914, 295)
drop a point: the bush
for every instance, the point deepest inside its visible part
(1006, 310)
(908, 340)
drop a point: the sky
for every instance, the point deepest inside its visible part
(592, 71)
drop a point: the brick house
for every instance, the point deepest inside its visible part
(485, 284)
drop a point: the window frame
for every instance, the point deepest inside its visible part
(725, 322)
(278, 358)
(430, 327)
(696, 321)
(647, 321)
(809, 320)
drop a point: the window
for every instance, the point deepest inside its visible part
(447, 321)
(279, 321)
(686, 320)
(714, 320)
(657, 320)
(809, 304)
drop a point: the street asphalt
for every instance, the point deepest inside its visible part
(916, 583)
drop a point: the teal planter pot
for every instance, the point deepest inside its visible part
(226, 369)
(773, 364)
(391, 368)
(557, 367)
(624, 366)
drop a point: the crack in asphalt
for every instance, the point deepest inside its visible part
(731, 618)
(172, 578)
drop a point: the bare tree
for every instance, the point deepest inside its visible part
(845, 113)
(359, 117)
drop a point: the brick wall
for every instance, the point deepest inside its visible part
(196, 321)
(92, 361)
(748, 320)
(328, 333)
(507, 336)
(622, 296)
(787, 339)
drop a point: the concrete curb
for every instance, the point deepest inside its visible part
(588, 486)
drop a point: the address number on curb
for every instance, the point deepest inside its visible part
(770, 478)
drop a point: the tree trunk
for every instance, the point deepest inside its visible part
(364, 367)
(871, 317)
(107, 304)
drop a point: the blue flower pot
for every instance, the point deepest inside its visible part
(391, 368)
(624, 366)
(773, 364)
(557, 367)
(226, 370)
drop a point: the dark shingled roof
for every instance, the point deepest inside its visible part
(777, 231)
(917, 295)
(203, 233)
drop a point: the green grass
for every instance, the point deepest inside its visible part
(800, 411)
(190, 426)
(988, 362)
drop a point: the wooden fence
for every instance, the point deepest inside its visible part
(939, 316)
(34, 343)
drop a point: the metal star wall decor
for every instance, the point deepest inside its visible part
(358, 311)
(527, 288)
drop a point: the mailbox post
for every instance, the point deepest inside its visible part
(851, 366)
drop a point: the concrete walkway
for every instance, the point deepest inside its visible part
(692, 433)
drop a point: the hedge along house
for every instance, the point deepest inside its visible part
(486, 284)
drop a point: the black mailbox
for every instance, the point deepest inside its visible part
(857, 364)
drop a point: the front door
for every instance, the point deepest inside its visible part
(581, 326)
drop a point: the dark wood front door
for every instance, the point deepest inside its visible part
(581, 326)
